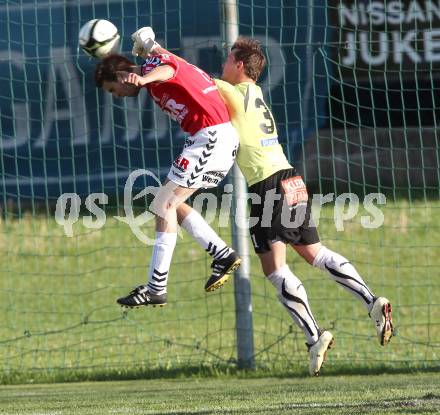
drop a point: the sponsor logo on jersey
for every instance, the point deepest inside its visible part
(217, 174)
(176, 111)
(150, 63)
(266, 142)
(295, 190)
(188, 142)
(177, 174)
(181, 164)
(213, 177)
(210, 179)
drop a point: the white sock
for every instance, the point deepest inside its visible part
(344, 273)
(293, 297)
(205, 236)
(160, 262)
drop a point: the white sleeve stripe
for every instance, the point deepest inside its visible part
(209, 89)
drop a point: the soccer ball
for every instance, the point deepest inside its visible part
(99, 37)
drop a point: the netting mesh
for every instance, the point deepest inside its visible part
(353, 89)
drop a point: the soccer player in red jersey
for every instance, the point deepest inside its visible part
(190, 97)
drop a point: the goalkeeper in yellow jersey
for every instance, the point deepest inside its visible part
(269, 174)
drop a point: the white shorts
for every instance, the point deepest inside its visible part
(206, 157)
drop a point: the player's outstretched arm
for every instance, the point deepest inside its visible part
(159, 74)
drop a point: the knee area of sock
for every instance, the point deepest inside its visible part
(277, 277)
(327, 258)
(283, 276)
(323, 257)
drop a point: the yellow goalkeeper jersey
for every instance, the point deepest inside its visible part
(260, 155)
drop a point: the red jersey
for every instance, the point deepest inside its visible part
(190, 97)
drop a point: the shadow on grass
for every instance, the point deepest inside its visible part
(211, 371)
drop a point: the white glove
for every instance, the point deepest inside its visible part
(144, 42)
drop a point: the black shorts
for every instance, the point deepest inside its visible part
(284, 213)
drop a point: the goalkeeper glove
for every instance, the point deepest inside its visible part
(143, 42)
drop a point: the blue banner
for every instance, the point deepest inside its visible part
(59, 133)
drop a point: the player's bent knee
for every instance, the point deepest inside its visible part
(158, 207)
(165, 200)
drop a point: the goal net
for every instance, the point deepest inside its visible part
(354, 91)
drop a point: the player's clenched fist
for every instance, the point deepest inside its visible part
(143, 42)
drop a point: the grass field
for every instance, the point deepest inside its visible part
(59, 316)
(385, 394)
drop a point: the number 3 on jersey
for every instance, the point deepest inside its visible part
(267, 129)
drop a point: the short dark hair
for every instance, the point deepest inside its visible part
(107, 68)
(249, 51)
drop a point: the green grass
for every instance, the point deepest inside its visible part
(60, 321)
(384, 394)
